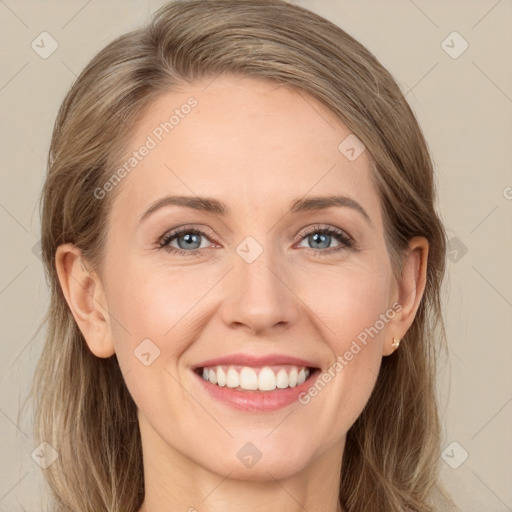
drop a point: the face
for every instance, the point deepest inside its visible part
(263, 277)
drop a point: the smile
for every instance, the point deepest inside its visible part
(255, 383)
(247, 378)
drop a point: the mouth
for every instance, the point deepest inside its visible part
(255, 383)
(250, 379)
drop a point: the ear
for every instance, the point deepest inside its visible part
(86, 299)
(410, 290)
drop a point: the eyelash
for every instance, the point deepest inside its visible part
(346, 241)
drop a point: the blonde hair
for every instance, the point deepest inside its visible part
(82, 406)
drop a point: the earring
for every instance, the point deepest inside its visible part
(396, 342)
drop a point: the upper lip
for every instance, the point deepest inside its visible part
(256, 361)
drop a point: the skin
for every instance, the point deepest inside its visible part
(256, 147)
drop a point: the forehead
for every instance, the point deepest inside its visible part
(248, 142)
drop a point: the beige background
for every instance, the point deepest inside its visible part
(464, 105)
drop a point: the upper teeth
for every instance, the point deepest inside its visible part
(247, 377)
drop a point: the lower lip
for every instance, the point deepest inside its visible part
(258, 401)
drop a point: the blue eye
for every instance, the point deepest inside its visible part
(189, 240)
(323, 237)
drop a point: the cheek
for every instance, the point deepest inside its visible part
(148, 310)
(351, 309)
(348, 300)
(149, 303)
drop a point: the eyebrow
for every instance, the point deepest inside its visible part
(210, 205)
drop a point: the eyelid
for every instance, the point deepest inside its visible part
(204, 230)
(319, 227)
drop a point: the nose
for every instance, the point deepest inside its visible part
(260, 297)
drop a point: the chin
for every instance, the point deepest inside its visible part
(259, 461)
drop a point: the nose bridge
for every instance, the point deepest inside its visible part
(258, 296)
(256, 267)
(255, 264)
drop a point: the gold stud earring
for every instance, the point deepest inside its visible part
(396, 342)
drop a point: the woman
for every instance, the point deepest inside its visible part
(203, 352)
